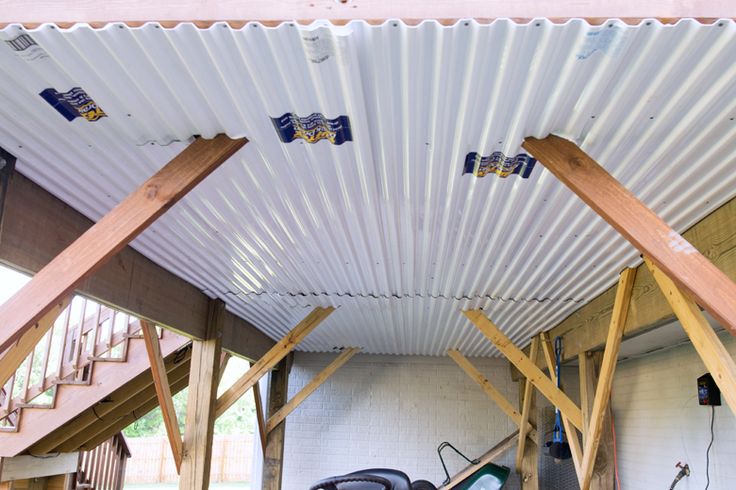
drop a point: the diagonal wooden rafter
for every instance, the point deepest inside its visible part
(163, 390)
(572, 434)
(663, 246)
(271, 358)
(111, 234)
(490, 390)
(527, 367)
(526, 407)
(710, 348)
(304, 393)
(605, 378)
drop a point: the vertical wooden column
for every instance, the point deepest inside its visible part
(200, 422)
(273, 456)
(603, 474)
(529, 470)
(7, 165)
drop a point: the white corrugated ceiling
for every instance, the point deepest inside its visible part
(385, 226)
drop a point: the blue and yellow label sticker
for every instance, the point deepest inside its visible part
(74, 103)
(499, 164)
(313, 128)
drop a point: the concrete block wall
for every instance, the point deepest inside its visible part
(659, 422)
(392, 411)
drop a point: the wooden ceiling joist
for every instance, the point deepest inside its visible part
(111, 234)
(271, 358)
(679, 259)
(204, 13)
(315, 383)
(527, 367)
(492, 392)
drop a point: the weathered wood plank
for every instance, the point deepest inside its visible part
(273, 456)
(689, 269)
(526, 406)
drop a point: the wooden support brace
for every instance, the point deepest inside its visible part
(316, 382)
(163, 390)
(260, 417)
(491, 391)
(13, 357)
(605, 378)
(526, 407)
(110, 235)
(271, 358)
(527, 367)
(710, 348)
(662, 245)
(572, 434)
(587, 389)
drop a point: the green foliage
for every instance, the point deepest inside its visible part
(239, 419)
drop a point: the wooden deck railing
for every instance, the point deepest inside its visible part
(103, 468)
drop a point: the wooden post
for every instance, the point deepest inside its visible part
(271, 358)
(710, 348)
(666, 248)
(491, 391)
(7, 166)
(273, 457)
(603, 470)
(608, 367)
(110, 235)
(200, 423)
(315, 383)
(528, 465)
(527, 397)
(163, 390)
(260, 416)
(572, 434)
(526, 366)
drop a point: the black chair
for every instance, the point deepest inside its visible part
(373, 479)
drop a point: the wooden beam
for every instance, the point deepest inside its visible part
(605, 378)
(587, 328)
(315, 383)
(273, 457)
(39, 226)
(529, 465)
(7, 166)
(488, 457)
(587, 389)
(13, 357)
(163, 390)
(490, 390)
(27, 467)
(113, 232)
(204, 13)
(666, 248)
(603, 470)
(271, 358)
(527, 367)
(710, 348)
(526, 405)
(260, 416)
(572, 434)
(200, 424)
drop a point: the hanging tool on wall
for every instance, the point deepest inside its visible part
(684, 471)
(558, 448)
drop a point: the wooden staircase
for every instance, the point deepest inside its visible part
(90, 353)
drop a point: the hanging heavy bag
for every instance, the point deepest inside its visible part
(558, 448)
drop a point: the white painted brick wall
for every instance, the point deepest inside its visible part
(659, 422)
(392, 411)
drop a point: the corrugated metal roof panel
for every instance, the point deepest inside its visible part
(385, 226)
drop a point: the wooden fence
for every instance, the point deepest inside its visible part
(151, 460)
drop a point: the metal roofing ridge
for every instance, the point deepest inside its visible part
(346, 26)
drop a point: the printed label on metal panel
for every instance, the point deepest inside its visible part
(313, 128)
(27, 48)
(499, 164)
(74, 103)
